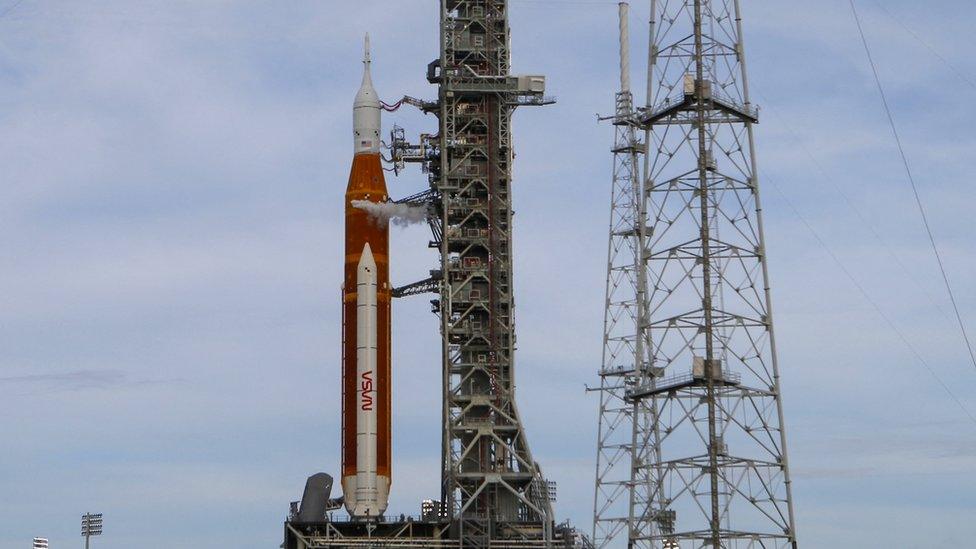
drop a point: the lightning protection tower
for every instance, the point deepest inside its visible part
(622, 504)
(716, 452)
(722, 469)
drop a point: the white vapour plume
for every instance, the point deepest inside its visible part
(401, 215)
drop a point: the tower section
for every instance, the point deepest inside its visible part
(626, 438)
(720, 463)
(492, 488)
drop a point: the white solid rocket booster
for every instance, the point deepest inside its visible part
(370, 492)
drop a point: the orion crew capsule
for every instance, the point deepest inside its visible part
(366, 295)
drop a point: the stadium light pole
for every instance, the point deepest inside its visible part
(91, 525)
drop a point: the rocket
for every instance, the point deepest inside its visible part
(366, 294)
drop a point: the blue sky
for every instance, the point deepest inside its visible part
(170, 243)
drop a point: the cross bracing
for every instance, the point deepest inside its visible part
(723, 465)
(624, 506)
(715, 456)
(624, 344)
(492, 488)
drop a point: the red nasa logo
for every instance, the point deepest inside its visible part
(366, 400)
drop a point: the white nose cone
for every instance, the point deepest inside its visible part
(366, 112)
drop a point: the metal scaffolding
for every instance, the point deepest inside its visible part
(622, 504)
(492, 488)
(711, 464)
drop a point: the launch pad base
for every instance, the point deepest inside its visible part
(407, 534)
(362, 534)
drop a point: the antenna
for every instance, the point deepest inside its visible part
(623, 491)
(624, 47)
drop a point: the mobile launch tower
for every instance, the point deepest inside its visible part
(492, 492)
(691, 447)
(492, 488)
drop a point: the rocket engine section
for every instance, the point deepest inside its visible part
(366, 296)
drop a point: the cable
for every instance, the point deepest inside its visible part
(391, 108)
(962, 76)
(12, 7)
(872, 302)
(865, 222)
(911, 179)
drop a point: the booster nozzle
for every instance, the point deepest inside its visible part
(366, 110)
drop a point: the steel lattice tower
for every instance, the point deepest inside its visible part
(716, 448)
(622, 505)
(492, 488)
(723, 468)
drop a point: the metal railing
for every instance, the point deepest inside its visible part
(714, 95)
(678, 380)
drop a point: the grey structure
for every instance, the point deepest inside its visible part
(316, 500)
(714, 449)
(622, 504)
(492, 488)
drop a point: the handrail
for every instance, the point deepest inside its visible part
(677, 380)
(715, 96)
